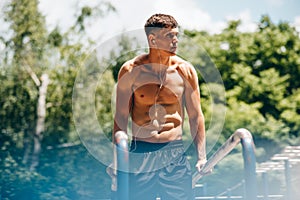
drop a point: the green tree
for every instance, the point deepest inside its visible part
(27, 45)
(258, 68)
(31, 52)
(259, 71)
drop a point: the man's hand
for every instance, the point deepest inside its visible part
(200, 164)
(110, 171)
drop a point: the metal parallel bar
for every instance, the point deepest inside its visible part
(279, 197)
(204, 189)
(287, 179)
(249, 168)
(265, 185)
(121, 139)
(240, 135)
(240, 184)
(245, 137)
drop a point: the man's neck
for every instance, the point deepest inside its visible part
(159, 61)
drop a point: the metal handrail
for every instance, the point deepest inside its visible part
(240, 135)
(121, 140)
(245, 137)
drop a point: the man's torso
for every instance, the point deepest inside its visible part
(157, 103)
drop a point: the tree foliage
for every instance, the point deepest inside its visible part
(259, 71)
(30, 51)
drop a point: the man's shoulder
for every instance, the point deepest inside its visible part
(184, 67)
(133, 63)
(129, 66)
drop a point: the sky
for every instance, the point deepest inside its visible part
(208, 15)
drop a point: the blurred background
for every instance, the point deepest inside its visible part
(51, 57)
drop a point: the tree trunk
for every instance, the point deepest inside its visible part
(27, 147)
(40, 126)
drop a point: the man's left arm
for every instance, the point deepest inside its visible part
(195, 114)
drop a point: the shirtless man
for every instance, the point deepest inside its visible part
(153, 89)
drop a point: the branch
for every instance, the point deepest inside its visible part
(34, 77)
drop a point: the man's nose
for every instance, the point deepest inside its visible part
(175, 39)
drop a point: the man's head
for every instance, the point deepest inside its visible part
(159, 21)
(162, 32)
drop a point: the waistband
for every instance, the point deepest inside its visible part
(141, 146)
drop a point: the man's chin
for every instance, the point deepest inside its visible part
(173, 50)
(170, 52)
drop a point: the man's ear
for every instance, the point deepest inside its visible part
(151, 38)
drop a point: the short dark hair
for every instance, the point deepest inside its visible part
(158, 21)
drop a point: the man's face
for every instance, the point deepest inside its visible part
(166, 39)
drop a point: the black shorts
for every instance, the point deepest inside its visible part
(159, 170)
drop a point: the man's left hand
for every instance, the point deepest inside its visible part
(200, 164)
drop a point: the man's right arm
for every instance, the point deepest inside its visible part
(123, 99)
